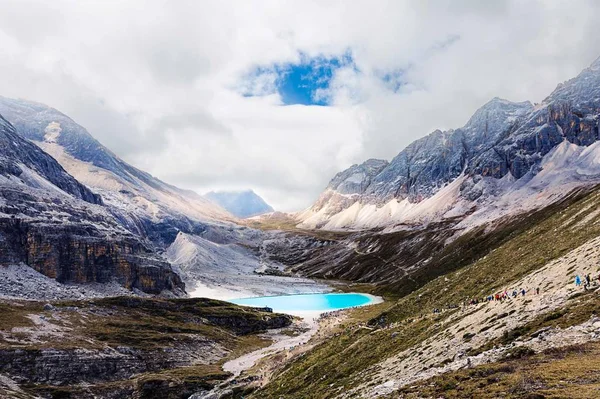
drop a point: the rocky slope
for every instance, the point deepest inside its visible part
(16, 152)
(238, 263)
(507, 153)
(242, 204)
(51, 222)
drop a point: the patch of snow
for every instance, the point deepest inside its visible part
(52, 131)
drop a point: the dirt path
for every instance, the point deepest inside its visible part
(281, 342)
(248, 369)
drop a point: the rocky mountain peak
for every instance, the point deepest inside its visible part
(501, 138)
(495, 114)
(581, 91)
(357, 177)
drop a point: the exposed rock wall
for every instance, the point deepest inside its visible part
(79, 254)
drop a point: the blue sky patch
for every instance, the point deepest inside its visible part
(393, 80)
(299, 83)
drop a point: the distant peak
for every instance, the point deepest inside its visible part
(596, 64)
(231, 192)
(241, 203)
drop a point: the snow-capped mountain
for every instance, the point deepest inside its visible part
(508, 158)
(242, 204)
(52, 223)
(142, 203)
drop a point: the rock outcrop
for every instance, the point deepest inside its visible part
(123, 346)
(79, 254)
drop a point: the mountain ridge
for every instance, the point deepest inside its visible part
(144, 204)
(502, 146)
(52, 223)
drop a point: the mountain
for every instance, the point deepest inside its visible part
(242, 204)
(507, 159)
(144, 204)
(55, 225)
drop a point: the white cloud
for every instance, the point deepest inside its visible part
(159, 82)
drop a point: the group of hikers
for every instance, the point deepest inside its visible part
(332, 313)
(586, 281)
(501, 296)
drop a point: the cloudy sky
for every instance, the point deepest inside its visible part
(278, 96)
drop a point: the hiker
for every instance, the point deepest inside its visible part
(577, 280)
(588, 279)
(523, 291)
(537, 291)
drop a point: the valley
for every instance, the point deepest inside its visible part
(468, 244)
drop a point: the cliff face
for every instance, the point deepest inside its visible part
(570, 113)
(77, 254)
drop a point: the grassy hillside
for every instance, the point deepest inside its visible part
(402, 261)
(344, 361)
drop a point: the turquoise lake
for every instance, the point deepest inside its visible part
(309, 302)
